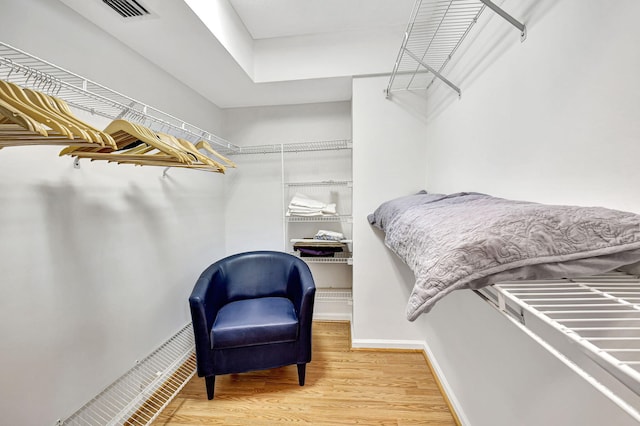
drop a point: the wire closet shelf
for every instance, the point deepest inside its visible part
(599, 315)
(279, 148)
(435, 31)
(26, 70)
(345, 258)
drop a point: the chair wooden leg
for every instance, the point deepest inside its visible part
(210, 381)
(301, 372)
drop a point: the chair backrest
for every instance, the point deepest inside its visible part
(257, 274)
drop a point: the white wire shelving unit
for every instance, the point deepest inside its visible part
(343, 187)
(140, 395)
(29, 71)
(598, 315)
(435, 31)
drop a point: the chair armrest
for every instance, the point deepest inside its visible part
(207, 297)
(301, 289)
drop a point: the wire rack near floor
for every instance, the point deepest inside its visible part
(139, 396)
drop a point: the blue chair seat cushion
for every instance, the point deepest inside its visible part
(249, 322)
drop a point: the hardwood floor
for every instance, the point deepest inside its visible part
(343, 387)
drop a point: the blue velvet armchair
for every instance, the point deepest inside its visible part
(252, 311)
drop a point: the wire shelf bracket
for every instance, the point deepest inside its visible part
(435, 31)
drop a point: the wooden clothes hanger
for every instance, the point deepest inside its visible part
(145, 155)
(30, 117)
(205, 145)
(128, 135)
(55, 126)
(19, 129)
(60, 108)
(172, 141)
(10, 115)
(192, 150)
(138, 145)
(8, 95)
(139, 156)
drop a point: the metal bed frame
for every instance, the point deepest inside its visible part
(599, 316)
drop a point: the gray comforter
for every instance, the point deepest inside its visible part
(470, 240)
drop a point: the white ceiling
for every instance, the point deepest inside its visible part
(307, 49)
(286, 18)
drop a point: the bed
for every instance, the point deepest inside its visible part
(471, 240)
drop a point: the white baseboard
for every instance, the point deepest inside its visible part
(455, 404)
(386, 344)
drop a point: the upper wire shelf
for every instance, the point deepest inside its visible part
(337, 218)
(26, 70)
(347, 183)
(337, 258)
(435, 31)
(295, 147)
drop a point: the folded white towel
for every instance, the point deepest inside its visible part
(301, 205)
(304, 201)
(330, 209)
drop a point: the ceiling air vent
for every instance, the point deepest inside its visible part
(127, 8)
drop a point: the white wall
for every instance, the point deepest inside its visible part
(225, 24)
(388, 161)
(554, 120)
(288, 123)
(254, 205)
(97, 263)
(327, 55)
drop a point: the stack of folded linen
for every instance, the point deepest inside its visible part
(323, 244)
(309, 247)
(329, 235)
(301, 205)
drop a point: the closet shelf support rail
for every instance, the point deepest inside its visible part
(435, 73)
(435, 31)
(513, 21)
